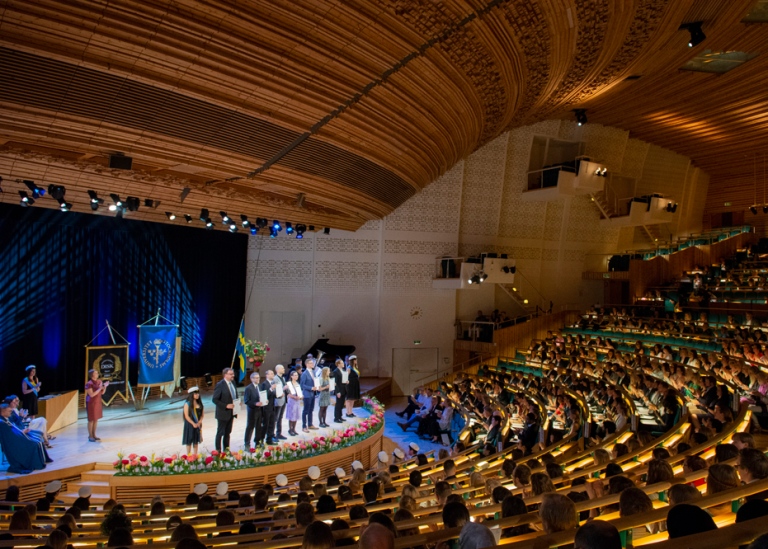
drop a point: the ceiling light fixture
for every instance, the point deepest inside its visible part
(246, 223)
(170, 215)
(288, 227)
(188, 218)
(697, 35)
(581, 116)
(26, 200)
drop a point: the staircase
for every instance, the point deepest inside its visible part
(650, 233)
(512, 291)
(97, 479)
(600, 202)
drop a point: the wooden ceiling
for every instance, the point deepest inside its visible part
(354, 105)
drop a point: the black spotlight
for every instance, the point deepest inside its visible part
(170, 215)
(581, 116)
(133, 203)
(261, 223)
(57, 192)
(288, 227)
(254, 230)
(474, 280)
(117, 203)
(311, 228)
(272, 232)
(276, 226)
(188, 218)
(204, 215)
(225, 218)
(697, 35)
(26, 200)
(765, 208)
(208, 223)
(36, 191)
(65, 206)
(94, 200)
(483, 276)
(327, 230)
(232, 226)
(245, 221)
(753, 209)
(300, 230)
(505, 269)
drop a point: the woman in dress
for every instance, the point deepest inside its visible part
(37, 428)
(353, 385)
(325, 394)
(23, 453)
(294, 404)
(30, 391)
(193, 420)
(93, 391)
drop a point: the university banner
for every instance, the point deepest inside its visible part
(111, 361)
(157, 354)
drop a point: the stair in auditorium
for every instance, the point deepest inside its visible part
(97, 479)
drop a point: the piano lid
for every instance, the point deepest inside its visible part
(330, 351)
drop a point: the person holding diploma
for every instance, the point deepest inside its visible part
(353, 387)
(30, 391)
(309, 388)
(93, 405)
(325, 394)
(268, 389)
(224, 397)
(193, 420)
(252, 399)
(293, 405)
(279, 401)
(341, 378)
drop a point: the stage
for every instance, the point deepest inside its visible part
(157, 429)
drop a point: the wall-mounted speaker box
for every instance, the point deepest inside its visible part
(119, 162)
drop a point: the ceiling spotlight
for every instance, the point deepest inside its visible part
(204, 214)
(753, 209)
(233, 227)
(261, 223)
(37, 192)
(288, 227)
(225, 218)
(525, 301)
(581, 116)
(112, 207)
(117, 202)
(483, 276)
(475, 279)
(208, 223)
(300, 230)
(26, 200)
(244, 217)
(149, 203)
(65, 206)
(254, 230)
(276, 225)
(273, 232)
(170, 215)
(133, 203)
(765, 208)
(311, 228)
(95, 200)
(57, 192)
(327, 230)
(188, 218)
(604, 172)
(697, 35)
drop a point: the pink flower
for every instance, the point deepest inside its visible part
(238, 457)
(214, 453)
(116, 463)
(133, 456)
(134, 463)
(174, 456)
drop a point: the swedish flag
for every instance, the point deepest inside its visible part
(240, 348)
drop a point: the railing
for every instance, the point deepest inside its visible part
(546, 178)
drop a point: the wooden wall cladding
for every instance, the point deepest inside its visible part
(358, 104)
(509, 340)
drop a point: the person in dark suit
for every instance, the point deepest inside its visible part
(268, 410)
(224, 396)
(309, 390)
(341, 391)
(280, 402)
(252, 400)
(529, 436)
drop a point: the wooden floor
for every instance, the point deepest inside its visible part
(157, 429)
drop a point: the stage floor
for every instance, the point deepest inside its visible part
(157, 429)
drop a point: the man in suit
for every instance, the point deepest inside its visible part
(268, 410)
(279, 402)
(224, 396)
(309, 391)
(341, 394)
(252, 400)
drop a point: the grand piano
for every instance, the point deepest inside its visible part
(330, 352)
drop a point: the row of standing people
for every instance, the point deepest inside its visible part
(270, 401)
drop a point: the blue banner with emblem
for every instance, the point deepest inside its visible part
(157, 354)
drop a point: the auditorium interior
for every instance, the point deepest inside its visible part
(551, 213)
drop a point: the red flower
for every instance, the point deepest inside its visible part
(252, 450)
(314, 445)
(209, 460)
(267, 454)
(214, 452)
(143, 458)
(184, 457)
(168, 461)
(126, 462)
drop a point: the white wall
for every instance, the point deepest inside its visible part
(373, 288)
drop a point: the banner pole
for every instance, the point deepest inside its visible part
(111, 335)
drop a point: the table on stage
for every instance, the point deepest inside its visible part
(59, 409)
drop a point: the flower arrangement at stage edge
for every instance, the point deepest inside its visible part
(256, 351)
(135, 465)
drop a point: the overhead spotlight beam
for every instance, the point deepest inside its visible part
(245, 221)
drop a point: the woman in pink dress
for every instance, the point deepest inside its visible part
(93, 391)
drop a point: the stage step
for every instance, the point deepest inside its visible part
(103, 466)
(100, 491)
(97, 475)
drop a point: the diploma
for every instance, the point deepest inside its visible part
(279, 390)
(332, 386)
(317, 382)
(236, 404)
(263, 397)
(345, 376)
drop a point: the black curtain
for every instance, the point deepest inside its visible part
(63, 275)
